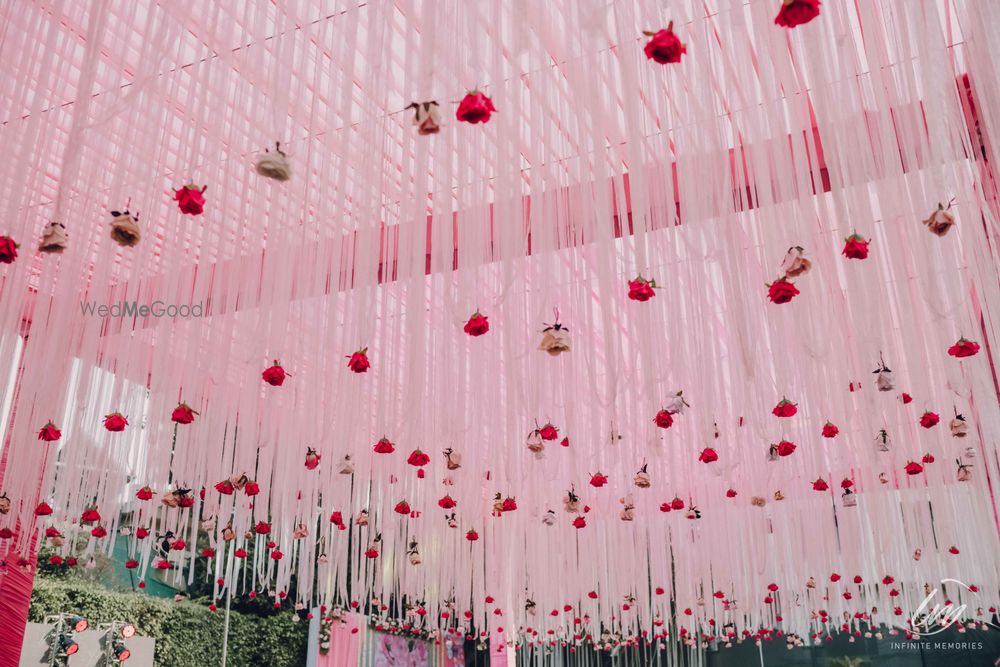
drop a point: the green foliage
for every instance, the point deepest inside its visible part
(846, 662)
(101, 567)
(186, 633)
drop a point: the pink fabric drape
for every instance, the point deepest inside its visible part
(15, 598)
(498, 649)
(345, 644)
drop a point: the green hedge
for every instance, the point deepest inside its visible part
(186, 633)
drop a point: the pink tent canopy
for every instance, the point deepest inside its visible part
(690, 334)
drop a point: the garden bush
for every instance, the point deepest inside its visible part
(186, 633)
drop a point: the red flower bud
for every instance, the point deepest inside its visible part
(183, 414)
(665, 47)
(963, 348)
(49, 433)
(474, 108)
(274, 375)
(477, 325)
(796, 12)
(358, 362)
(115, 422)
(190, 199)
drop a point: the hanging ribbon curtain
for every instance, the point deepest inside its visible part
(339, 378)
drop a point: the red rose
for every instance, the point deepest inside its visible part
(820, 485)
(8, 249)
(665, 507)
(225, 487)
(474, 108)
(796, 12)
(312, 459)
(178, 545)
(592, 595)
(43, 509)
(447, 503)
(99, 531)
(191, 199)
(784, 408)
(337, 519)
(664, 47)
(953, 550)
(928, 458)
(579, 522)
(913, 468)
(371, 552)
(509, 504)
(240, 553)
(963, 348)
(384, 446)
(477, 325)
(208, 552)
(782, 290)
(598, 480)
(830, 430)
(90, 515)
(115, 422)
(277, 555)
(274, 375)
(677, 503)
(183, 414)
(641, 289)
(402, 507)
(548, 432)
(786, 448)
(51, 531)
(663, 419)
(55, 560)
(564, 442)
(418, 458)
(906, 398)
(834, 577)
(251, 488)
(141, 533)
(262, 528)
(49, 433)
(358, 362)
(188, 501)
(929, 419)
(145, 493)
(855, 247)
(708, 455)
(131, 564)
(472, 536)
(731, 493)
(846, 483)
(772, 587)
(162, 564)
